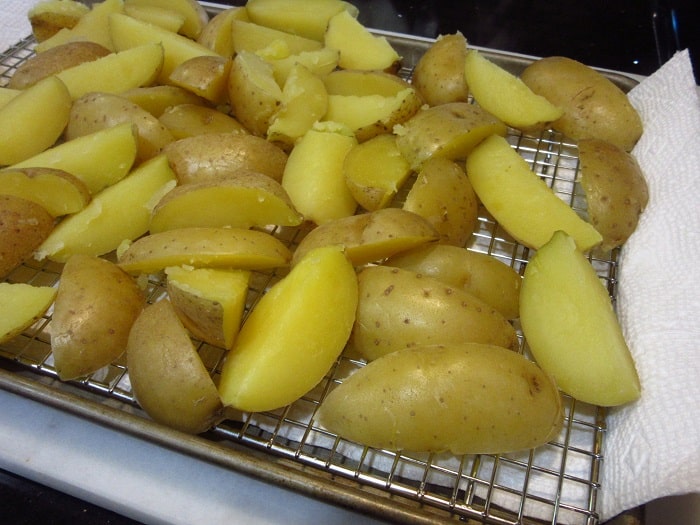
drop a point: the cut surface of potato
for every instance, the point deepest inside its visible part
(253, 38)
(24, 225)
(217, 33)
(156, 99)
(50, 16)
(21, 306)
(189, 120)
(195, 17)
(205, 76)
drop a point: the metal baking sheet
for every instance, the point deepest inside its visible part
(556, 483)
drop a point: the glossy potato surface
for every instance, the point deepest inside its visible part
(24, 225)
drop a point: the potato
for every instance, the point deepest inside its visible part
(99, 159)
(505, 96)
(520, 201)
(593, 106)
(96, 305)
(369, 102)
(205, 76)
(159, 16)
(23, 227)
(240, 200)
(208, 156)
(167, 376)
(189, 120)
(615, 188)
(293, 335)
(21, 306)
(313, 176)
(157, 99)
(217, 33)
(370, 237)
(463, 398)
(210, 302)
(448, 130)
(96, 111)
(480, 274)
(7, 94)
(33, 120)
(252, 38)
(300, 17)
(194, 14)
(120, 212)
(571, 328)
(439, 73)
(320, 62)
(233, 248)
(57, 191)
(374, 171)
(401, 309)
(48, 17)
(359, 49)
(443, 195)
(54, 60)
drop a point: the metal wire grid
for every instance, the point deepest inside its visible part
(535, 487)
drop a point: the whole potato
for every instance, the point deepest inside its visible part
(24, 225)
(439, 74)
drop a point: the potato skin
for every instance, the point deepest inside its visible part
(439, 74)
(464, 398)
(24, 225)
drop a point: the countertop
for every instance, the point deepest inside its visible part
(633, 36)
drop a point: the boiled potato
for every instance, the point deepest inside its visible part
(157, 99)
(505, 96)
(240, 200)
(480, 274)
(48, 17)
(54, 60)
(189, 120)
(448, 130)
(300, 17)
(204, 247)
(253, 38)
(439, 74)
(209, 156)
(370, 237)
(293, 335)
(313, 176)
(593, 106)
(443, 195)
(359, 49)
(96, 111)
(159, 16)
(33, 120)
(99, 159)
(24, 225)
(615, 188)
(194, 15)
(571, 328)
(320, 62)
(217, 33)
(7, 94)
(400, 309)
(96, 305)
(21, 306)
(520, 201)
(374, 171)
(464, 398)
(205, 76)
(209, 301)
(167, 375)
(57, 191)
(120, 212)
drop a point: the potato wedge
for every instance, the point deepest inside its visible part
(217, 33)
(239, 200)
(157, 99)
(7, 94)
(462, 398)
(439, 74)
(204, 247)
(193, 13)
(158, 16)
(48, 17)
(205, 76)
(401, 309)
(293, 335)
(520, 201)
(118, 213)
(320, 62)
(168, 378)
(189, 120)
(22, 305)
(209, 301)
(24, 225)
(57, 191)
(252, 38)
(96, 305)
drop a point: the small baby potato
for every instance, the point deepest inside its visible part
(96, 305)
(439, 74)
(24, 225)
(21, 306)
(205, 76)
(615, 188)
(443, 195)
(167, 376)
(188, 120)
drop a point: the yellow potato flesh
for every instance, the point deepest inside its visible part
(57, 191)
(21, 306)
(251, 37)
(155, 15)
(464, 398)
(118, 213)
(33, 120)
(205, 247)
(321, 62)
(194, 15)
(96, 305)
(571, 328)
(521, 202)
(217, 34)
(50, 16)
(156, 99)
(205, 76)
(7, 94)
(189, 120)
(293, 335)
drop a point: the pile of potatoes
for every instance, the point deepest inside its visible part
(148, 139)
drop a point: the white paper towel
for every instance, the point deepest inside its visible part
(14, 23)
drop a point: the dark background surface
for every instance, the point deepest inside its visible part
(634, 36)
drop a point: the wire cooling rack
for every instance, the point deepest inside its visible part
(555, 483)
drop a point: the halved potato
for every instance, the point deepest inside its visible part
(439, 74)
(189, 120)
(21, 306)
(205, 76)
(217, 33)
(24, 225)
(48, 17)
